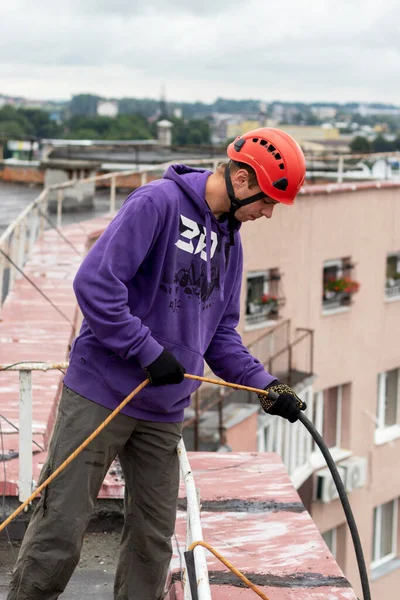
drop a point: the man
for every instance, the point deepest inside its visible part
(160, 293)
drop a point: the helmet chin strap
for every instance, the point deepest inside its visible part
(236, 204)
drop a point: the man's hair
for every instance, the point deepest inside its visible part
(235, 166)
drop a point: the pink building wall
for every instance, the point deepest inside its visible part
(351, 347)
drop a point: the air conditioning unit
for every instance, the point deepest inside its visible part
(356, 472)
(325, 486)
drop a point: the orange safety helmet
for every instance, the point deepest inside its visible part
(276, 158)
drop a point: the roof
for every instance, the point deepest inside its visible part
(253, 516)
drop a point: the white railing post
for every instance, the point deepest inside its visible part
(203, 586)
(13, 252)
(143, 178)
(34, 229)
(60, 198)
(113, 203)
(25, 435)
(21, 247)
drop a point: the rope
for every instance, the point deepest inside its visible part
(99, 429)
(230, 566)
(74, 454)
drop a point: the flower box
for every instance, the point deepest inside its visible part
(338, 292)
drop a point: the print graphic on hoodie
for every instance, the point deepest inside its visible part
(193, 279)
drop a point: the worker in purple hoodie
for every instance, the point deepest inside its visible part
(160, 293)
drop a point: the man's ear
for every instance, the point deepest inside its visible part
(240, 178)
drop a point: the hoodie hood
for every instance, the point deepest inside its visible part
(193, 182)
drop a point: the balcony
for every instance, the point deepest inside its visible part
(213, 407)
(392, 289)
(333, 300)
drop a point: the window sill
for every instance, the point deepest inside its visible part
(392, 298)
(388, 567)
(334, 311)
(387, 434)
(260, 325)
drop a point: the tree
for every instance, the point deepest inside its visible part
(21, 125)
(11, 130)
(380, 144)
(360, 145)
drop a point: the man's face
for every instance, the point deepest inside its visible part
(256, 210)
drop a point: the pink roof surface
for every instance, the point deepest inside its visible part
(253, 516)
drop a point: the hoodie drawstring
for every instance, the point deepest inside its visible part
(208, 246)
(208, 256)
(222, 270)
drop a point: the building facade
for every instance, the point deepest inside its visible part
(327, 272)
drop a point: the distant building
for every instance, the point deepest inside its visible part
(324, 112)
(366, 110)
(107, 108)
(164, 132)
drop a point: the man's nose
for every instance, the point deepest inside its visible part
(268, 210)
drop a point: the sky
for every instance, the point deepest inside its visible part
(199, 50)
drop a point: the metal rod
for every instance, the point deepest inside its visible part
(191, 571)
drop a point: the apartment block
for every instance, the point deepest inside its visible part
(321, 310)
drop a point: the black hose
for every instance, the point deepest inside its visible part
(345, 503)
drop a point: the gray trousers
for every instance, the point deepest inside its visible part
(52, 544)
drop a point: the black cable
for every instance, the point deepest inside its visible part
(345, 503)
(37, 288)
(66, 240)
(16, 429)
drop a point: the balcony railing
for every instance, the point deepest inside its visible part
(393, 290)
(332, 300)
(293, 443)
(19, 237)
(295, 362)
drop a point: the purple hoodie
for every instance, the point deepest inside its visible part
(162, 275)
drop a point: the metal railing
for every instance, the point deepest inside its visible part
(26, 483)
(296, 361)
(193, 530)
(19, 237)
(393, 291)
(343, 166)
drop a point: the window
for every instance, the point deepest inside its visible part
(388, 399)
(327, 415)
(384, 542)
(338, 285)
(392, 289)
(330, 539)
(335, 539)
(262, 299)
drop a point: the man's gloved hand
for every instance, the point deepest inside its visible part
(288, 405)
(165, 369)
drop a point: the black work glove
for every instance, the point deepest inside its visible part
(288, 405)
(165, 369)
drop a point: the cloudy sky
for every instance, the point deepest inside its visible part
(292, 50)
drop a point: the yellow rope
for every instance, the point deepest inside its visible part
(74, 454)
(95, 434)
(230, 566)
